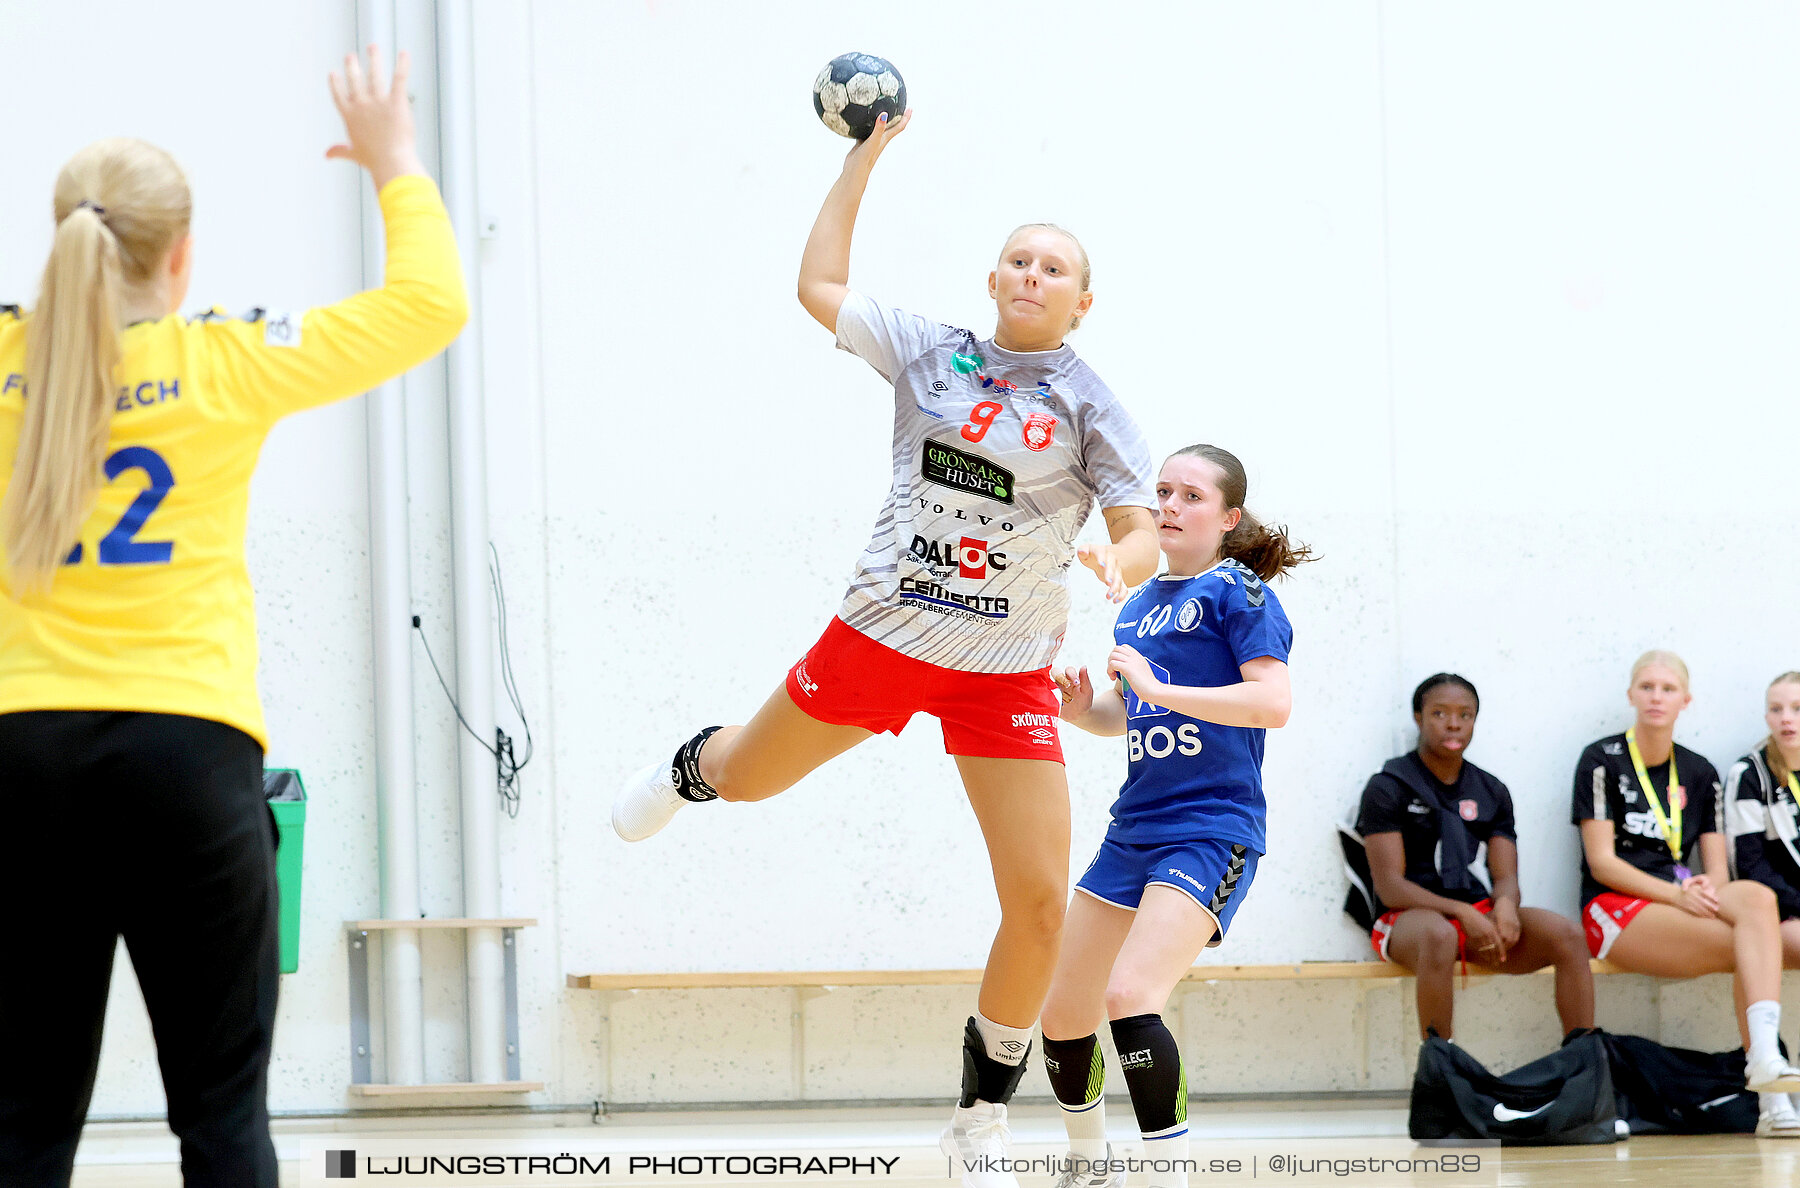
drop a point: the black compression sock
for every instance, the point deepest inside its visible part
(983, 1076)
(686, 765)
(1153, 1072)
(1077, 1072)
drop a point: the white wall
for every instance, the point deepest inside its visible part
(747, 456)
(1592, 259)
(1493, 307)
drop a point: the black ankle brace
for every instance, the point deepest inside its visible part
(983, 1076)
(686, 769)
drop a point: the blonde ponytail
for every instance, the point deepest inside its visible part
(71, 345)
(120, 207)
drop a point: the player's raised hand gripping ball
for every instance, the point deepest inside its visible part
(854, 90)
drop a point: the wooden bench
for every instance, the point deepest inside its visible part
(832, 979)
(810, 984)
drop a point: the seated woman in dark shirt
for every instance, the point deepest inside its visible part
(1762, 811)
(1423, 817)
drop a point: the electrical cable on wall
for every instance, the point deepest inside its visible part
(506, 765)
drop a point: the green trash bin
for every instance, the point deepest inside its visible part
(287, 801)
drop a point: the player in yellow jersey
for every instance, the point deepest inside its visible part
(131, 736)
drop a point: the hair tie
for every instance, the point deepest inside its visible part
(90, 204)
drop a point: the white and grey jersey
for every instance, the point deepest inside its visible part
(999, 456)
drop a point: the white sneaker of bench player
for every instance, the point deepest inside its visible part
(1772, 1074)
(1778, 1120)
(646, 802)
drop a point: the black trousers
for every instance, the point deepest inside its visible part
(151, 827)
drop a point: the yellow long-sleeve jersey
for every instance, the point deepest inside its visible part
(153, 610)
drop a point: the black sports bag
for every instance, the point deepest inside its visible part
(1663, 1090)
(1565, 1098)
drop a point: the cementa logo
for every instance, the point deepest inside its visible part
(948, 466)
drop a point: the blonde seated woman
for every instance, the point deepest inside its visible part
(1762, 811)
(1656, 895)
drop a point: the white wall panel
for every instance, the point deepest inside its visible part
(713, 465)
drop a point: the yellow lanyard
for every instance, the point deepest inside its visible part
(1670, 822)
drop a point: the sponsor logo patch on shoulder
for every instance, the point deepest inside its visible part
(281, 328)
(961, 470)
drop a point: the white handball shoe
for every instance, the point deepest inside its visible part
(646, 802)
(1772, 1074)
(1074, 1176)
(1779, 1120)
(975, 1136)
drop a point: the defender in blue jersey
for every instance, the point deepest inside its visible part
(1200, 661)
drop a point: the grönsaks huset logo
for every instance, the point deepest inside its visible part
(960, 470)
(340, 1165)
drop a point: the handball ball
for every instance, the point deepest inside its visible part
(854, 90)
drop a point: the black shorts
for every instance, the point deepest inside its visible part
(150, 827)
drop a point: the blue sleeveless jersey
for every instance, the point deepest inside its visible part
(1190, 779)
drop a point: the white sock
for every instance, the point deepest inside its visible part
(1764, 1019)
(1087, 1129)
(1766, 1102)
(1172, 1149)
(1004, 1044)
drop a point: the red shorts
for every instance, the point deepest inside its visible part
(848, 679)
(1605, 916)
(1384, 927)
